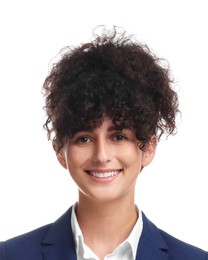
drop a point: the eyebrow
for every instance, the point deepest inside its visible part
(110, 129)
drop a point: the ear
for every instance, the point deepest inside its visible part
(149, 151)
(61, 158)
(60, 155)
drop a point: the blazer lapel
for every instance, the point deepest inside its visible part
(151, 243)
(58, 243)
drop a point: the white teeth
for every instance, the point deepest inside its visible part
(104, 174)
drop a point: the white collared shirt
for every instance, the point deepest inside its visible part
(125, 251)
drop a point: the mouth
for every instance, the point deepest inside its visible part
(103, 174)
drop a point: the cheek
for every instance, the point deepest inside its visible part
(131, 156)
(76, 158)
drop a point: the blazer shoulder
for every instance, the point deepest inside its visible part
(34, 244)
(157, 244)
(24, 246)
(178, 249)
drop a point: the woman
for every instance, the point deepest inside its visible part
(108, 102)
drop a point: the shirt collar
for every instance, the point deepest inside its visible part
(75, 225)
(134, 236)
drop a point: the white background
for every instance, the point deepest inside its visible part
(34, 189)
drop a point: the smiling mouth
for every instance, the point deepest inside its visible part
(104, 174)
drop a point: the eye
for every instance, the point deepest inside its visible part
(119, 137)
(83, 140)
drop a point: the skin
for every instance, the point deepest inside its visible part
(105, 164)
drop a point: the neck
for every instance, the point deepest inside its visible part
(105, 225)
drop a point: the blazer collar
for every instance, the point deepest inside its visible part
(59, 242)
(151, 244)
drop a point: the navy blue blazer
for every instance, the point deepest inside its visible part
(55, 242)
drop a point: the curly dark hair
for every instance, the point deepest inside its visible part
(113, 76)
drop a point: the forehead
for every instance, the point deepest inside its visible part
(106, 125)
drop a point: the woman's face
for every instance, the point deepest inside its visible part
(105, 162)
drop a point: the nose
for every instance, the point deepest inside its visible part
(102, 152)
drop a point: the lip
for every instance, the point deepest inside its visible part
(103, 175)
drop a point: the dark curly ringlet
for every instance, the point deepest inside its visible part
(111, 76)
